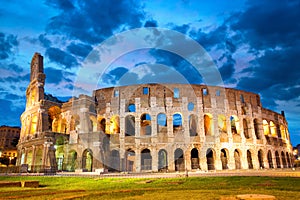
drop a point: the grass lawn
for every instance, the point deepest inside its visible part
(152, 188)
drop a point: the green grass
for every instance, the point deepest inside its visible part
(138, 188)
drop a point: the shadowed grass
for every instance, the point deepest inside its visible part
(152, 188)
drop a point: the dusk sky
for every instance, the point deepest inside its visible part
(255, 45)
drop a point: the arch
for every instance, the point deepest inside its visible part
(193, 125)
(222, 124)
(249, 159)
(246, 129)
(131, 108)
(130, 160)
(224, 158)
(72, 159)
(177, 122)
(237, 159)
(195, 159)
(94, 123)
(179, 160)
(208, 124)
(114, 124)
(282, 131)
(191, 106)
(260, 159)
(102, 124)
(278, 131)
(266, 127)
(273, 129)
(161, 123)
(33, 124)
(63, 126)
(53, 113)
(38, 158)
(288, 160)
(270, 160)
(162, 160)
(87, 160)
(115, 161)
(234, 122)
(129, 125)
(146, 160)
(145, 124)
(283, 160)
(256, 129)
(74, 123)
(210, 159)
(277, 157)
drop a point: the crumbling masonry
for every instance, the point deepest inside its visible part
(150, 127)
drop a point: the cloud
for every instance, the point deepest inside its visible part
(60, 57)
(80, 49)
(44, 40)
(7, 44)
(92, 21)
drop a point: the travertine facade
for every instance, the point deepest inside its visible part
(151, 127)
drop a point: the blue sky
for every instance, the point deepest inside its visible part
(255, 45)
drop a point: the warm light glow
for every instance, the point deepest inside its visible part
(33, 124)
(114, 125)
(266, 127)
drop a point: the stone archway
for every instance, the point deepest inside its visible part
(260, 159)
(277, 157)
(237, 159)
(249, 159)
(162, 160)
(270, 160)
(179, 160)
(224, 158)
(146, 160)
(194, 159)
(130, 160)
(87, 160)
(210, 159)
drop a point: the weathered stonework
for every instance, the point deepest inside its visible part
(151, 127)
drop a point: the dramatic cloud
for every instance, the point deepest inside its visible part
(93, 21)
(7, 43)
(60, 57)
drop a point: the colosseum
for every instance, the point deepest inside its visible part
(150, 128)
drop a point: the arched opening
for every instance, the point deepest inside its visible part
(162, 123)
(283, 160)
(179, 160)
(224, 158)
(256, 129)
(103, 125)
(130, 160)
(222, 124)
(277, 157)
(131, 108)
(208, 125)
(162, 161)
(146, 160)
(288, 159)
(130, 125)
(273, 129)
(177, 123)
(249, 159)
(115, 161)
(246, 131)
(106, 143)
(74, 123)
(145, 124)
(195, 159)
(234, 122)
(87, 160)
(94, 123)
(38, 159)
(270, 160)
(191, 106)
(33, 125)
(193, 125)
(72, 158)
(53, 113)
(114, 125)
(282, 132)
(266, 127)
(278, 131)
(210, 159)
(260, 159)
(59, 152)
(237, 159)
